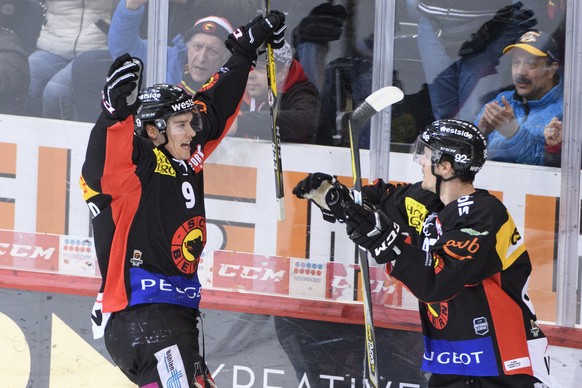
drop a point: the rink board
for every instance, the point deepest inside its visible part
(48, 271)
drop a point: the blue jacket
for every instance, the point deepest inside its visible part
(527, 145)
(124, 38)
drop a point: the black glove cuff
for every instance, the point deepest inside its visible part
(242, 48)
(337, 198)
(386, 255)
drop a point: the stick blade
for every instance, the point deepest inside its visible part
(384, 97)
(374, 103)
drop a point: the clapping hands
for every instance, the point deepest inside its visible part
(500, 118)
(553, 132)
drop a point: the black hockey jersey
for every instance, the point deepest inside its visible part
(471, 278)
(149, 215)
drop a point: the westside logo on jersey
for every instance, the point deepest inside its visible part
(471, 357)
(416, 212)
(163, 165)
(187, 244)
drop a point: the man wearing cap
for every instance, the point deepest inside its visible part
(514, 121)
(192, 57)
(298, 108)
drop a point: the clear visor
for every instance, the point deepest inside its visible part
(182, 122)
(418, 150)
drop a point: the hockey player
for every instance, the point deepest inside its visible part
(464, 259)
(145, 191)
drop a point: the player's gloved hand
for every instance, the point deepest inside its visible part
(248, 39)
(277, 40)
(120, 94)
(513, 16)
(323, 24)
(327, 193)
(373, 230)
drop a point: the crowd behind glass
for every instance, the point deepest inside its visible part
(456, 62)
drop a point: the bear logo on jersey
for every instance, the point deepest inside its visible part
(210, 83)
(187, 244)
(438, 314)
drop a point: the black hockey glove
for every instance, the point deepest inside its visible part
(512, 16)
(123, 83)
(277, 40)
(323, 24)
(373, 230)
(248, 39)
(327, 193)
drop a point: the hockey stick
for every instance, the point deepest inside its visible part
(373, 104)
(276, 138)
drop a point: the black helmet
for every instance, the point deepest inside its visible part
(459, 139)
(161, 101)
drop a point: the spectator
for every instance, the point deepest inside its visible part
(460, 43)
(312, 36)
(206, 51)
(514, 121)
(191, 59)
(553, 145)
(297, 99)
(344, 82)
(25, 18)
(87, 73)
(71, 28)
(89, 67)
(14, 74)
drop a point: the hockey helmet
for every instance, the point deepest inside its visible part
(162, 101)
(461, 140)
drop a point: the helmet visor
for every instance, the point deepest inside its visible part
(418, 150)
(196, 122)
(185, 121)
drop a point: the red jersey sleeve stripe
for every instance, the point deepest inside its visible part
(509, 328)
(120, 181)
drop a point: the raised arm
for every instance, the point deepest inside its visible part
(124, 30)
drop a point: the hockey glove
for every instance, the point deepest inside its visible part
(277, 40)
(373, 230)
(327, 193)
(512, 16)
(323, 24)
(248, 39)
(120, 94)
